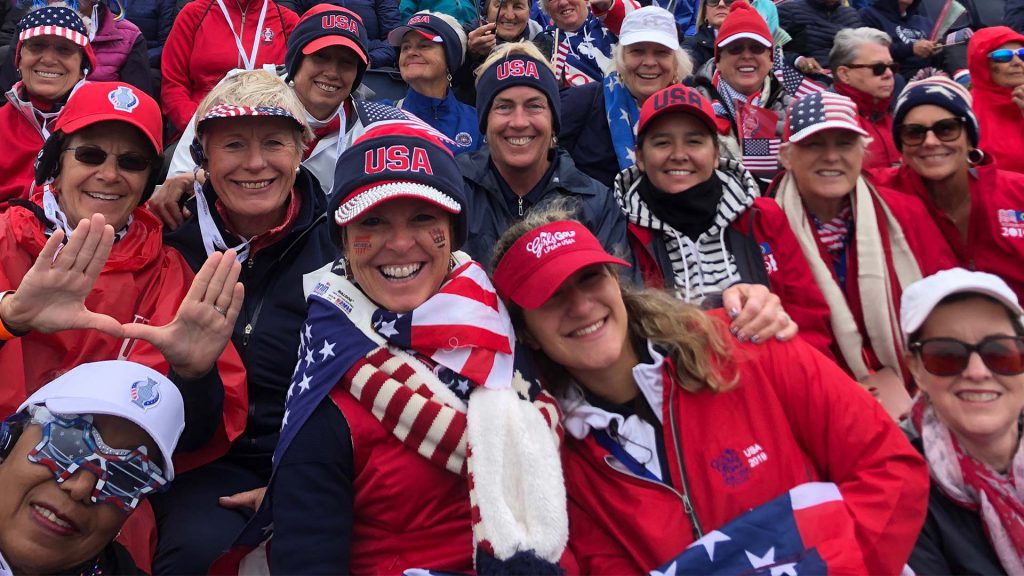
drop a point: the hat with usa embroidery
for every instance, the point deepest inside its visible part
(438, 28)
(327, 25)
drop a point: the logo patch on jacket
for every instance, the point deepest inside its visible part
(731, 466)
(268, 35)
(1011, 223)
(769, 258)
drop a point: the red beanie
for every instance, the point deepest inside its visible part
(743, 21)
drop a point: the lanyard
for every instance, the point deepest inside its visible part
(622, 456)
(212, 239)
(250, 61)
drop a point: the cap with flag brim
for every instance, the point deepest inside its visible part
(58, 21)
(223, 111)
(819, 111)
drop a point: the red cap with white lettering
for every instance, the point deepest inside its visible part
(680, 98)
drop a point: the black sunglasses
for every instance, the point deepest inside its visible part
(713, 3)
(877, 69)
(95, 156)
(948, 356)
(945, 130)
(737, 48)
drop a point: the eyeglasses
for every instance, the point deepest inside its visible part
(948, 356)
(945, 130)
(878, 68)
(1005, 55)
(737, 48)
(713, 3)
(71, 442)
(95, 156)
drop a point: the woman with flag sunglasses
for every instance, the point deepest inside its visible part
(966, 350)
(673, 430)
(76, 459)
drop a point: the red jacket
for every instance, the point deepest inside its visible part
(793, 417)
(141, 282)
(201, 49)
(23, 140)
(788, 273)
(1000, 121)
(874, 116)
(995, 232)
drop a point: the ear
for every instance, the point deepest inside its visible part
(917, 371)
(843, 74)
(784, 158)
(639, 153)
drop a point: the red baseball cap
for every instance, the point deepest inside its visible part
(680, 98)
(94, 102)
(544, 258)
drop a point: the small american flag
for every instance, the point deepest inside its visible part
(380, 115)
(793, 81)
(761, 155)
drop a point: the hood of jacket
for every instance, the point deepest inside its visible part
(981, 44)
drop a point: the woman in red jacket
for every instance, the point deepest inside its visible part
(211, 37)
(995, 57)
(863, 244)
(672, 431)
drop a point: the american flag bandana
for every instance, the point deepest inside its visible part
(232, 111)
(821, 111)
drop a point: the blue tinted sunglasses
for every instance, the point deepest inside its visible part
(1005, 55)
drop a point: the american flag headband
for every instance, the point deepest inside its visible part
(232, 111)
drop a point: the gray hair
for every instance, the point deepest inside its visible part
(849, 40)
(684, 64)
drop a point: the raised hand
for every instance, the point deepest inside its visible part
(51, 296)
(194, 340)
(757, 314)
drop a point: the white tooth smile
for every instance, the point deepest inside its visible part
(255, 185)
(326, 87)
(746, 68)
(49, 515)
(679, 172)
(98, 196)
(45, 74)
(521, 141)
(587, 330)
(649, 76)
(401, 272)
(978, 396)
(829, 173)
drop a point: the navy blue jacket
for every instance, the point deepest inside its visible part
(452, 118)
(266, 334)
(905, 30)
(154, 19)
(489, 214)
(379, 18)
(813, 25)
(585, 135)
(1014, 15)
(701, 46)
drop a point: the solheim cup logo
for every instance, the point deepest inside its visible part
(547, 241)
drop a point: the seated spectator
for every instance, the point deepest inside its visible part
(813, 24)
(657, 403)
(50, 65)
(864, 244)
(378, 17)
(967, 354)
(599, 119)
(199, 51)
(505, 21)
(696, 224)
(909, 31)
(68, 490)
(522, 166)
(864, 71)
(996, 61)
(431, 49)
(119, 47)
(710, 15)
(582, 36)
(975, 204)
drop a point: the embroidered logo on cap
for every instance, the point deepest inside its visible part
(422, 19)
(676, 95)
(517, 68)
(397, 159)
(339, 21)
(146, 394)
(547, 241)
(123, 99)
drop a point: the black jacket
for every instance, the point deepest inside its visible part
(584, 133)
(904, 30)
(813, 25)
(701, 46)
(266, 334)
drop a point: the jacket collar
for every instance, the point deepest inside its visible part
(418, 101)
(867, 105)
(566, 178)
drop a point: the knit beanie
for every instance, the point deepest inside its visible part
(327, 25)
(516, 70)
(743, 21)
(436, 28)
(59, 21)
(938, 91)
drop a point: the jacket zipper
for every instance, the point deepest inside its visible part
(698, 533)
(682, 497)
(520, 206)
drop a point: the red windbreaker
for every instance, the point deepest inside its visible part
(1000, 121)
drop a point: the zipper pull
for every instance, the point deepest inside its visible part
(245, 334)
(520, 206)
(250, 262)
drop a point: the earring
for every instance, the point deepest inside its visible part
(449, 79)
(291, 83)
(298, 168)
(554, 141)
(975, 156)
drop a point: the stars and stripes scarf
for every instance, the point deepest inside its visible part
(623, 114)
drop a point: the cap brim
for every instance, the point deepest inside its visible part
(670, 41)
(395, 36)
(924, 310)
(85, 121)
(766, 42)
(550, 276)
(335, 40)
(828, 125)
(368, 199)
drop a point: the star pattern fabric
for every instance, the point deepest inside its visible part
(57, 21)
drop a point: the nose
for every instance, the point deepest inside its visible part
(108, 169)
(976, 369)
(399, 239)
(254, 160)
(579, 302)
(518, 117)
(80, 486)
(930, 139)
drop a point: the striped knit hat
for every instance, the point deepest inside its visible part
(59, 21)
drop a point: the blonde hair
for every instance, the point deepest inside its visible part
(503, 51)
(684, 64)
(256, 88)
(695, 343)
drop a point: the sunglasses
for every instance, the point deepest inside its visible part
(737, 48)
(948, 356)
(877, 69)
(1005, 55)
(96, 156)
(945, 130)
(713, 3)
(71, 443)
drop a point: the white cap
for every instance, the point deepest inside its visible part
(650, 24)
(921, 297)
(128, 390)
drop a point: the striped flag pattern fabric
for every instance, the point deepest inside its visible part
(793, 81)
(57, 21)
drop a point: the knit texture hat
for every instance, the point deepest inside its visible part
(398, 160)
(327, 25)
(938, 91)
(516, 70)
(743, 21)
(59, 21)
(433, 27)
(818, 111)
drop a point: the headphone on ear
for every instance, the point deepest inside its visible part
(10, 432)
(47, 165)
(195, 149)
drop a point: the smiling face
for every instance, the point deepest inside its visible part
(252, 162)
(324, 79)
(50, 66)
(864, 79)
(977, 405)
(584, 325)
(47, 527)
(421, 61)
(716, 14)
(677, 152)
(513, 18)
(745, 71)
(646, 68)
(568, 15)
(933, 159)
(399, 252)
(83, 189)
(1009, 74)
(519, 129)
(825, 165)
